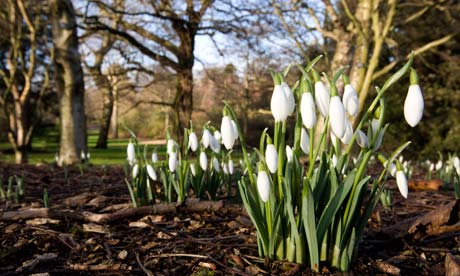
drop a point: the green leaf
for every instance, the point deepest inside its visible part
(334, 204)
(309, 223)
(401, 72)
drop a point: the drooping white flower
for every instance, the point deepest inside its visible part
(151, 172)
(289, 96)
(348, 132)
(334, 160)
(401, 180)
(361, 139)
(193, 141)
(413, 105)
(193, 169)
(432, 167)
(456, 164)
(350, 99)
(279, 104)
(391, 168)
(206, 138)
(439, 165)
(289, 154)
(263, 185)
(171, 144)
(308, 110)
(203, 161)
(135, 170)
(322, 98)
(228, 134)
(172, 161)
(154, 157)
(271, 157)
(224, 168)
(216, 142)
(231, 167)
(304, 141)
(131, 152)
(215, 164)
(337, 116)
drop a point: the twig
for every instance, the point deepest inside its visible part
(146, 271)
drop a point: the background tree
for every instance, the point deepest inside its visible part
(69, 82)
(23, 70)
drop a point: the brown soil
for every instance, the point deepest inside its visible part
(219, 242)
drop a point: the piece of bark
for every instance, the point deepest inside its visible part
(163, 208)
(387, 268)
(78, 200)
(425, 185)
(452, 264)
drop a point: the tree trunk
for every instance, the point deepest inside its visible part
(183, 103)
(114, 120)
(107, 109)
(69, 82)
(343, 52)
(20, 130)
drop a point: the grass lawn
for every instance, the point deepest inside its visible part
(46, 143)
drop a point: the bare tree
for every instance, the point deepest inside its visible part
(358, 32)
(23, 71)
(69, 82)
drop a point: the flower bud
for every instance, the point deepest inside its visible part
(203, 161)
(348, 132)
(401, 180)
(350, 100)
(193, 169)
(279, 104)
(322, 98)
(215, 164)
(289, 154)
(361, 139)
(151, 172)
(271, 157)
(171, 144)
(131, 152)
(172, 161)
(228, 135)
(135, 171)
(414, 105)
(307, 110)
(304, 141)
(193, 141)
(263, 185)
(154, 157)
(206, 138)
(290, 101)
(231, 167)
(337, 116)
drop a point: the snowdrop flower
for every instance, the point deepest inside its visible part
(432, 167)
(215, 144)
(456, 164)
(193, 169)
(289, 154)
(172, 161)
(348, 132)
(361, 139)
(401, 180)
(413, 105)
(131, 152)
(289, 97)
(203, 161)
(263, 185)
(271, 157)
(135, 171)
(151, 172)
(439, 165)
(82, 155)
(192, 141)
(336, 113)
(350, 98)
(171, 144)
(231, 166)
(304, 141)
(224, 168)
(235, 130)
(280, 105)
(215, 164)
(154, 157)
(391, 168)
(334, 160)
(206, 138)
(322, 96)
(307, 110)
(228, 133)
(375, 129)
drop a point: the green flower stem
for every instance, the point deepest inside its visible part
(359, 174)
(281, 153)
(322, 139)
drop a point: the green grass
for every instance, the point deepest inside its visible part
(46, 144)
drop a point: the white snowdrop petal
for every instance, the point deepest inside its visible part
(271, 157)
(279, 104)
(304, 141)
(401, 181)
(193, 141)
(337, 116)
(227, 131)
(203, 161)
(263, 185)
(307, 110)
(361, 139)
(151, 172)
(322, 98)
(413, 105)
(289, 154)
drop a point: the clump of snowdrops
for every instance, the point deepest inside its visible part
(202, 166)
(308, 200)
(446, 170)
